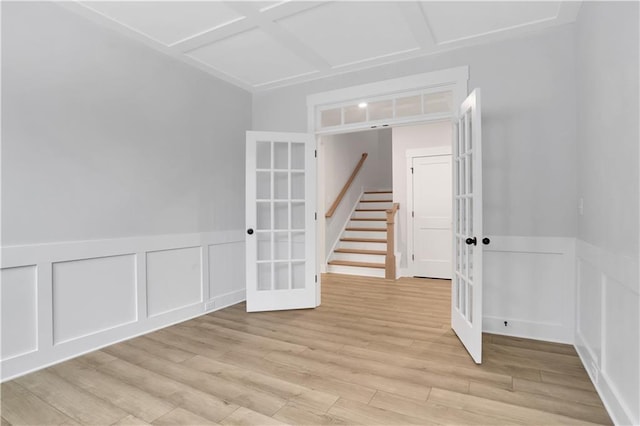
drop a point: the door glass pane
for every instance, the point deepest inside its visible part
(297, 156)
(297, 186)
(263, 185)
(438, 102)
(264, 245)
(469, 302)
(280, 155)
(281, 275)
(281, 245)
(463, 298)
(354, 114)
(297, 275)
(297, 245)
(280, 185)
(297, 215)
(264, 276)
(263, 214)
(263, 155)
(408, 106)
(281, 215)
(468, 123)
(380, 110)
(331, 117)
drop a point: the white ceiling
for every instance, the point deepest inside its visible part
(268, 44)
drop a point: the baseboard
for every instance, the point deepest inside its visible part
(226, 300)
(62, 300)
(527, 329)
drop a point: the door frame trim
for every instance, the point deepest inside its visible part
(410, 155)
(458, 77)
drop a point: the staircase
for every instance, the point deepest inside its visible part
(362, 247)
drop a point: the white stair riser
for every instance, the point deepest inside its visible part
(355, 270)
(362, 246)
(370, 215)
(385, 196)
(365, 234)
(358, 257)
(366, 224)
(374, 205)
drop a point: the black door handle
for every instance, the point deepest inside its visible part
(486, 241)
(470, 241)
(249, 231)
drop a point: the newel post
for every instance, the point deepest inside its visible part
(390, 258)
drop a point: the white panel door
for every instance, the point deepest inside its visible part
(432, 216)
(466, 285)
(280, 219)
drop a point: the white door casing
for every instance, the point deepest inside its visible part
(280, 220)
(431, 214)
(466, 284)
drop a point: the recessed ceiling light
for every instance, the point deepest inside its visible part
(362, 105)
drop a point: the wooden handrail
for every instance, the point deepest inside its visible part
(346, 186)
(390, 259)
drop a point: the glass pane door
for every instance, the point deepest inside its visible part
(280, 221)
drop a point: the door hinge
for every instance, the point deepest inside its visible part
(316, 278)
(412, 170)
(315, 215)
(315, 153)
(413, 214)
(413, 257)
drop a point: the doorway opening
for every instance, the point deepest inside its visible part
(396, 157)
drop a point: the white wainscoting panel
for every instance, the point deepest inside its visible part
(92, 295)
(174, 279)
(224, 276)
(529, 282)
(608, 328)
(18, 288)
(62, 300)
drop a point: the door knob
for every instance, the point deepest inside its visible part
(486, 241)
(470, 241)
(250, 231)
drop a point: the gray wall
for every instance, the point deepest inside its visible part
(607, 78)
(528, 125)
(608, 288)
(103, 137)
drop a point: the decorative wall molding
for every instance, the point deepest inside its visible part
(607, 330)
(529, 282)
(79, 296)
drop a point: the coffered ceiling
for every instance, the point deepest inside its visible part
(268, 44)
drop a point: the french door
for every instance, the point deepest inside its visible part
(280, 219)
(466, 290)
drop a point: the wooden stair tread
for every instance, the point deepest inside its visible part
(368, 219)
(367, 229)
(357, 264)
(371, 210)
(376, 201)
(363, 240)
(360, 251)
(378, 192)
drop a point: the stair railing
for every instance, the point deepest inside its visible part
(390, 259)
(346, 186)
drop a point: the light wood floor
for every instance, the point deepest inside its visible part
(375, 352)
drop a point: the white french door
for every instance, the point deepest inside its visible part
(280, 219)
(466, 290)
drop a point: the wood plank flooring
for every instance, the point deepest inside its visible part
(375, 352)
